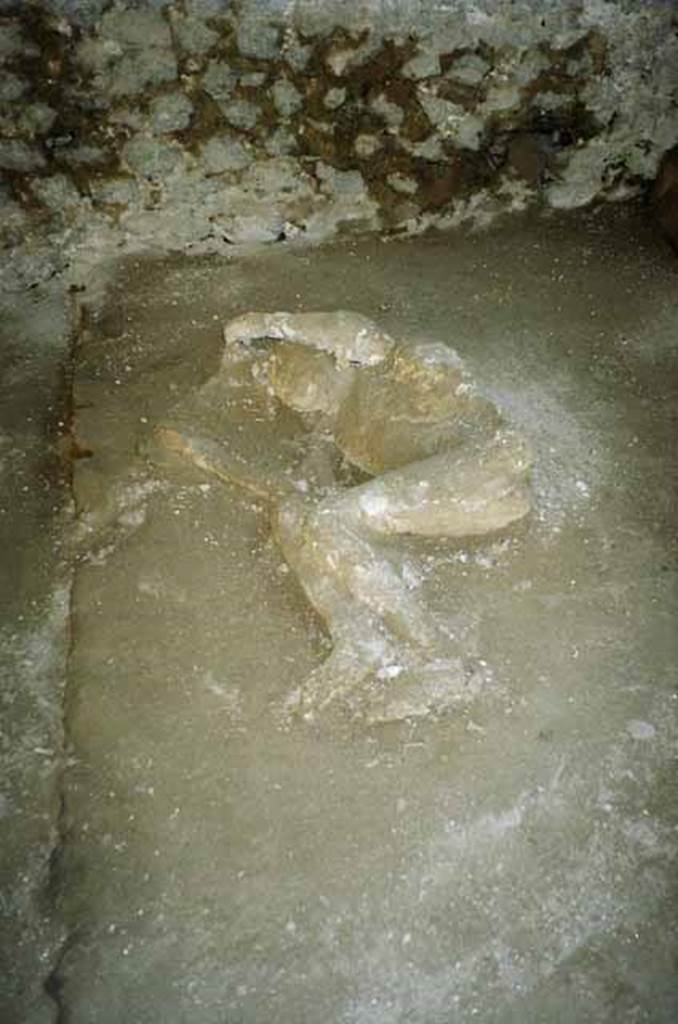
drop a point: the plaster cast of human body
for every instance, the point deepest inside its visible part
(437, 461)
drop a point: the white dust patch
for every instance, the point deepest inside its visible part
(569, 457)
(529, 915)
(639, 730)
(122, 512)
(227, 698)
(34, 666)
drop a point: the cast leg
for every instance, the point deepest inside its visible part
(374, 619)
(469, 491)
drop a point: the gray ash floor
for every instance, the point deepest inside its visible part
(512, 861)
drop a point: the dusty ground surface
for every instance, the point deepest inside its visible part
(511, 860)
(34, 607)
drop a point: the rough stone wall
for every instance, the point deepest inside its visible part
(199, 124)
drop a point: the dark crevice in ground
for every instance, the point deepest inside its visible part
(68, 450)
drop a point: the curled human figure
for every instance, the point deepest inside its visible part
(434, 460)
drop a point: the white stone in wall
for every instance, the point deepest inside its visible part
(581, 178)
(241, 113)
(17, 155)
(132, 75)
(11, 87)
(258, 37)
(515, 193)
(116, 192)
(56, 193)
(341, 59)
(439, 32)
(132, 51)
(402, 183)
(252, 79)
(452, 121)
(334, 97)
(191, 34)
(367, 145)
(36, 119)
(14, 221)
(286, 97)
(345, 183)
(429, 149)
(441, 113)
(249, 228)
(425, 64)
(278, 177)
(501, 97)
(137, 28)
(30, 266)
(392, 114)
(93, 54)
(226, 214)
(152, 158)
(219, 80)
(170, 112)
(639, 102)
(206, 8)
(172, 229)
(224, 153)
(128, 117)
(521, 68)
(469, 69)
(293, 51)
(469, 132)
(337, 211)
(283, 142)
(188, 188)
